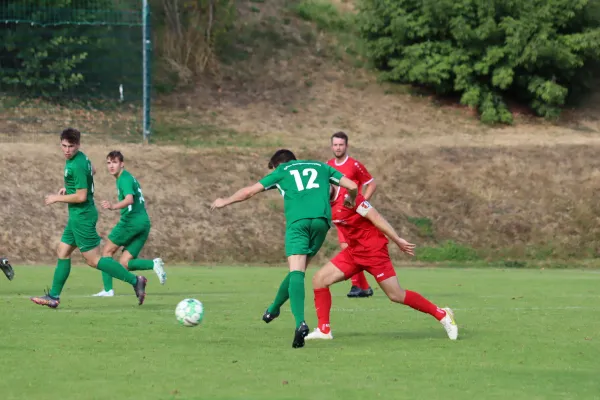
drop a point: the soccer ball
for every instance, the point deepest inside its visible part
(189, 312)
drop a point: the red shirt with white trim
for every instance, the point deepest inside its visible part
(353, 170)
(363, 238)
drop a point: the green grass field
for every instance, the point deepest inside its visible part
(524, 334)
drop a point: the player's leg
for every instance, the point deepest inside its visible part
(108, 250)
(106, 264)
(7, 268)
(61, 273)
(414, 300)
(283, 294)
(296, 242)
(340, 268)
(134, 248)
(360, 286)
(88, 242)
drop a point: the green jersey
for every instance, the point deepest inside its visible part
(128, 185)
(304, 186)
(79, 175)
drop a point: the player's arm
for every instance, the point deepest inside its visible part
(366, 180)
(241, 195)
(126, 202)
(81, 192)
(338, 179)
(369, 189)
(126, 187)
(352, 188)
(370, 213)
(80, 196)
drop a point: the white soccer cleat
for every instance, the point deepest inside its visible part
(104, 293)
(159, 268)
(449, 324)
(317, 334)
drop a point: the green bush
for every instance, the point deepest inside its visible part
(541, 52)
(51, 48)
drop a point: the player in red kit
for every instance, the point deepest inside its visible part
(366, 232)
(355, 171)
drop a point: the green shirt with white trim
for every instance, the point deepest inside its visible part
(304, 185)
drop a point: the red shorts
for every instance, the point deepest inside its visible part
(380, 265)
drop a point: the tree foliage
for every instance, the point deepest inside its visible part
(542, 52)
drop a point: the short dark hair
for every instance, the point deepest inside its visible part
(340, 135)
(115, 154)
(71, 135)
(280, 157)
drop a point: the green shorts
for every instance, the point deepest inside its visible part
(81, 232)
(305, 236)
(131, 234)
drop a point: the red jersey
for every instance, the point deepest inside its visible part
(363, 238)
(353, 170)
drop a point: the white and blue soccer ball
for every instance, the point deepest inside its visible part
(189, 312)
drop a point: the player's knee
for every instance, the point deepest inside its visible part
(397, 296)
(319, 281)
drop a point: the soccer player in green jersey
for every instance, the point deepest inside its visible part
(304, 186)
(7, 268)
(133, 228)
(80, 231)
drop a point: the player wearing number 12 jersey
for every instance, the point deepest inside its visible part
(366, 231)
(354, 170)
(80, 231)
(304, 186)
(133, 228)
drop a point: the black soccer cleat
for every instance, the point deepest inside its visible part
(7, 268)
(140, 289)
(46, 300)
(268, 317)
(299, 335)
(355, 291)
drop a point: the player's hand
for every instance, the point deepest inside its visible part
(349, 201)
(406, 247)
(218, 203)
(106, 205)
(50, 199)
(62, 191)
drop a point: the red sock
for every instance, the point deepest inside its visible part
(420, 303)
(360, 280)
(323, 307)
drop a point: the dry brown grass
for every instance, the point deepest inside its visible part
(507, 200)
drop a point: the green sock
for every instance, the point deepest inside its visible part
(116, 270)
(107, 281)
(283, 294)
(139, 264)
(297, 295)
(61, 273)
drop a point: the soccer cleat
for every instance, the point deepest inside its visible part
(299, 335)
(140, 289)
(268, 317)
(46, 300)
(355, 291)
(105, 293)
(159, 268)
(449, 324)
(318, 334)
(7, 268)
(366, 293)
